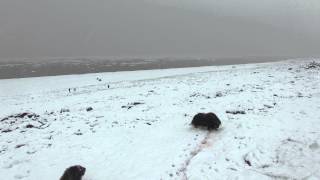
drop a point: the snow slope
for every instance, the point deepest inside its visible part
(139, 127)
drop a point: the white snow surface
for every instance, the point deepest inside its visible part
(278, 137)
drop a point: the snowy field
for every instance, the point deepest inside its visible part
(138, 128)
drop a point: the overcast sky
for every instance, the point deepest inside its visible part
(202, 28)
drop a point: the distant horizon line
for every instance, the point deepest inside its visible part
(146, 57)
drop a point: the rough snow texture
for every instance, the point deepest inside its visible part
(278, 136)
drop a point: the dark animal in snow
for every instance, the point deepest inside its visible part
(73, 173)
(206, 120)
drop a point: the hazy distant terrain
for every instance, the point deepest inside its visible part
(63, 66)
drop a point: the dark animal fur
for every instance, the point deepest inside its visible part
(73, 173)
(206, 120)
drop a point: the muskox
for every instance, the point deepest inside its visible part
(73, 173)
(206, 120)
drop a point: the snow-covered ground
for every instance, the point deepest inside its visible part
(139, 127)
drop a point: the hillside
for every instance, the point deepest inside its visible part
(138, 128)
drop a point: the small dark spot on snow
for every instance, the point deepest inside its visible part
(89, 109)
(63, 110)
(247, 162)
(265, 166)
(235, 112)
(219, 94)
(137, 103)
(78, 132)
(6, 130)
(22, 115)
(267, 106)
(300, 94)
(31, 152)
(19, 146)
(29, 126)
(314, 146)
(233, 169)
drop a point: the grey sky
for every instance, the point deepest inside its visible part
(42, 28)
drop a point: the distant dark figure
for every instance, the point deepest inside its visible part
(73, 173)
(69, 90)
(108, 86)
(206, 120)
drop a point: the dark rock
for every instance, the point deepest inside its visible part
(29, 126)
(236, 112)
(247, 162)
(89, 109)
(4, 119)
(30, 115)
(22, 115)
(206, 120)
(199, 95)
(136, 103)
(312, 65)
(79, 133)
(219, 94)
(129, 106)
(19, 146)
(268, 106)
(6, 130)
(73, 173)
(63, 110)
